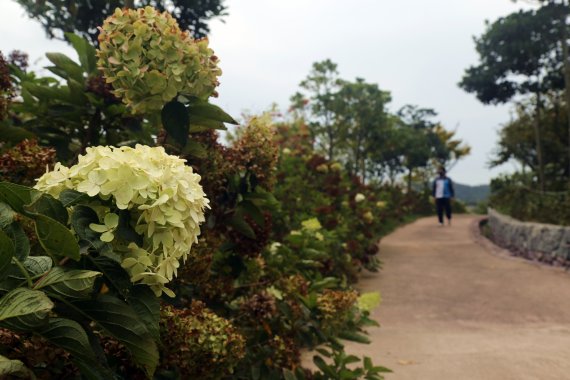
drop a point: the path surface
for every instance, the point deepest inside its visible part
(453, 310)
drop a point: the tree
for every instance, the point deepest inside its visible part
(520, 54)
(516, 141)
(84, 16)
(322, 83)
(447, 150)
(361, 110)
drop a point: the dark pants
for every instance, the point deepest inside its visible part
(441, 205)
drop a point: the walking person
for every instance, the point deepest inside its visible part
(443, 193)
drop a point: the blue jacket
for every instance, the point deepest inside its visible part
(445, 187)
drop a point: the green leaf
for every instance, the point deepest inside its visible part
(38, 265)
(56, 239)
(239, 224)
(114, 274)
(354, 337)
(14, 367)
(70, 336)
(322, 365)
(70, 197)
(199, 124)
(7, 215)
(7, 251)
(20, 239)
(288, 375)
(194, 148)
(70, 68)
(85, 52)
(176, 121)
(16, 196)
(253, 211)
(147, 307)
(48, 93)
(22, 301)
(73, 283)
(81, 218)
(14, 135)
(48, 206)
(122, 322)
(203, 110)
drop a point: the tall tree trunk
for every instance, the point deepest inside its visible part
(538, 141)
(565, 56)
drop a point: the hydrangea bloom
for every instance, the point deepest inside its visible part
(149, 60)
(359, 197)
(163, 196)
(312, 224)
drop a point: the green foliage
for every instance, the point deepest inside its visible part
(58, 299)
(516, 195)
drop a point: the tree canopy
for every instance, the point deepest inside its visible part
(84, 16)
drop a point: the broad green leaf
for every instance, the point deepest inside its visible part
(322, 365)
(114, 274)
(70, 197)
(7, 251)
(176, 122)
(147, 306)
(49, 206)
(354, 337)
(204, 110)
(20, 239)
(14, 367)
(56, 239)
(70, 336)
(14, 135)
(16, 196)
(197, 122)
(81, 218)
(34, 265)
(48, 93)
(63, 62)
(7, 215)
(85, 52)
(73, 283)
(253, 211)
(123, 323)
(22, 301)
(194, 148)
(38, 265)
(239, 224)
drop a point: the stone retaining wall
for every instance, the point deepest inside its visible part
(546, 242)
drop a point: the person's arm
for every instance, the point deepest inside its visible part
(451, 190)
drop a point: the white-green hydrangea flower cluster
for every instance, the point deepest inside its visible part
(163, 195)
(149, 60)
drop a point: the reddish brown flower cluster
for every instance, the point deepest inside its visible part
(19, 59)
(25, 162)
(261, 305)
(6, 89)
(98, 86)
(46, 360)
(256, 151)
(198, 343)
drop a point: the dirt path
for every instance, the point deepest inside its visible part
(453, 310)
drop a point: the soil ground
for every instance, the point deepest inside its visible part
(454, 307)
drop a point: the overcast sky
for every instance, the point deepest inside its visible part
(416, 49)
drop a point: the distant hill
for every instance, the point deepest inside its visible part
(471, 194)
